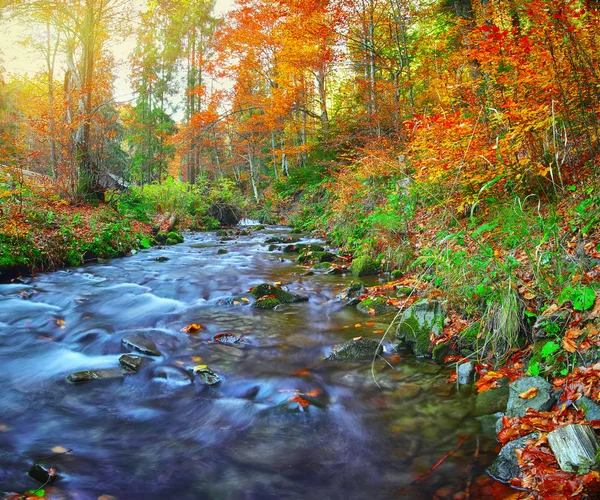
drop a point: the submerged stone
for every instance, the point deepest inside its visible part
(356, 349)
(89, 375)
(42, 472)
(407, 391)
(131, 362)
(142, 344)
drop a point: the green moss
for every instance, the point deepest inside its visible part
(373, 305)
(396, 274)
(321, 266)
(266, 303)
(364, 266)
(307, 256)
(265, 289)
(171, 241)
(221, 232)
(173, 235)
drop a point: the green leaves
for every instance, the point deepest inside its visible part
(582, 299)
(549, 349)
(145, 243)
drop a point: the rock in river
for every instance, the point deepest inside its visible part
(141, 343)
(206, 375)
(283, 296)
(131, 362)
(417, 324)
(356, 349)
(88, 375)
(374, 306)
(506, 465)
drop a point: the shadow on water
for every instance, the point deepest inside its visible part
(161, 434)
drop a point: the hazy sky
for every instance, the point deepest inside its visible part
(16, 58)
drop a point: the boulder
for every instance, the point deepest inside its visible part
(308, 256)
(373, 306)
(173, 235)
(131, 362)
(418, 322)
(141, 343)
(440, 352)
(543, 400)
(277, 292)
(206, 375)
(488, 424)
(266, 303)
(575, 448)
(466, 373)
(356, 350)
(492, 400)
(299, 247)
(506, 465)
(89, 375)
(591, 409)
(407, 391)
(364, 266)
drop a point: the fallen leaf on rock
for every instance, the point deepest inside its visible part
(529, 393)
(301, 373)
(301, 401)
(378, 331)
(357, 325)
(192, 328)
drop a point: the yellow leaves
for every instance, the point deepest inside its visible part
(60, 449)
(569, 345)
(193, 328)
(196, 359)
(529, 393)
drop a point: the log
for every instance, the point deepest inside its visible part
(575, 448)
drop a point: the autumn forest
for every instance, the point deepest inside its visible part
(415, 183)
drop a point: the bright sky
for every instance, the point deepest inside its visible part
(18, 59)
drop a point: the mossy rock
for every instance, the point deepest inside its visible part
(374, 306)
(221, 232)
(222, 251)
(161, 237)
(299, 247)
(356, 350)
(321, 266)
(173, 235)
(279, 293)
(397, 274)
(493, 400)
(307, 256)
(417, 324)
(171, 241)
(364, 266)
(440, 352)
(403, 291)
(266, 303)
(356, 289)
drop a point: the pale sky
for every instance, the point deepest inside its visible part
(18, 59)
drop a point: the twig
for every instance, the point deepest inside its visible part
(461, 440)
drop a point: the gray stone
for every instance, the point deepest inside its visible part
(466, 373)
(206, 375)
(492, 400)
(131, 362)
(356, 349)
(334, 271)
(141, 343)
(543, 401)
(374, 306)
(89, 375)
(575, 448)
(418, 322)
(590, 408)
(506, 465)
(489, 424)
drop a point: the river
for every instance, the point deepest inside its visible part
(161, 434)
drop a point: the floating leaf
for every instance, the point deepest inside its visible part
(192, 328)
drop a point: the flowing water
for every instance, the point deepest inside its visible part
(161, 434)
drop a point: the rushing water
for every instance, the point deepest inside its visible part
(160, 434)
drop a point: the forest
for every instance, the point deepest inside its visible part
(423, 172)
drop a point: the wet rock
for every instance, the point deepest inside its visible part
(161, 259)
(233, 301)
(466, 373)
(591, 409)
(299, 247)
(281, 239)
(440, 352)
(374, 306)
(272, 248)
(173, 235)
(283, 296)
(492, 400)
(206, 375)
(221, 233)
(364, 266)
(42, 472)
(441, 388)
(543, 401)
(172, 375)
(356, 349)
(89, 375)
(417, 324)
(575, 448)
(321, 266)
(506, 465)
(333, 271)
(488, 424)
(131, 362)
(407, 391)
(226, 339)
(266, 303)
(141, 343)
(171, 241)
(310, 256)
(222, 251)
